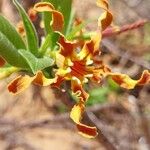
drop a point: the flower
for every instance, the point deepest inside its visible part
(77, 64)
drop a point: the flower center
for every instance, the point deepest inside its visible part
(78, 69)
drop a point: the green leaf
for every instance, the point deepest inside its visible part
(49, 44)
(10, 53)
(65, 6)
(10, 32)
(70, 23)
(47, 18)
(45, 45)
(113, 86)
(35, 63)
(32, 38)
(98, 95)
(7, 71)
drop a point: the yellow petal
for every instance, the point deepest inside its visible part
(43, 6)
(20, 84)
(78, 90)
(76, 116)
(126, 82)
(76, 112)
(4, 73)
(106, 18)
(91, 47)
(60, 60)
(63, 72)
(41, 80)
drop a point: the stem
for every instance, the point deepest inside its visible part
(111, 31)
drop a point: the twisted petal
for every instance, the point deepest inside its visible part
(106, 18)
(32, 14)
(100, 72)
(41, 80)
(76, 112)
(76, 116)
(91, 47)
(87, 131)
(66, 47)
(60, 60)
(21, 83)
(57, 22)
(78, 109)
(57, 82)
(126, 82)
(78, 90)
(43, 6)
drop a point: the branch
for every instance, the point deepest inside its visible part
(111, 31)
(114, 49)
(102, 138)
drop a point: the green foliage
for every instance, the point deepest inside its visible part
(34, 63)
(64, 6)
(70, 23)
(10, 53)
(62, 108)
(28, 56)
(98, 95)
(13, 49)
(113, 86)
(10, 32)
(50, 42)
(31, 35)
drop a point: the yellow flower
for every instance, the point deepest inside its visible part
(78, 65)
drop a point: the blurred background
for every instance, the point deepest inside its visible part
(38, 119)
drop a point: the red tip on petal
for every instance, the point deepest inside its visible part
(87, 131)
(2, 62)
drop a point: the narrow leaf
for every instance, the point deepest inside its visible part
(32, 38)
(10, 32)
(65, 8)
(10, 53)
(71, 21)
